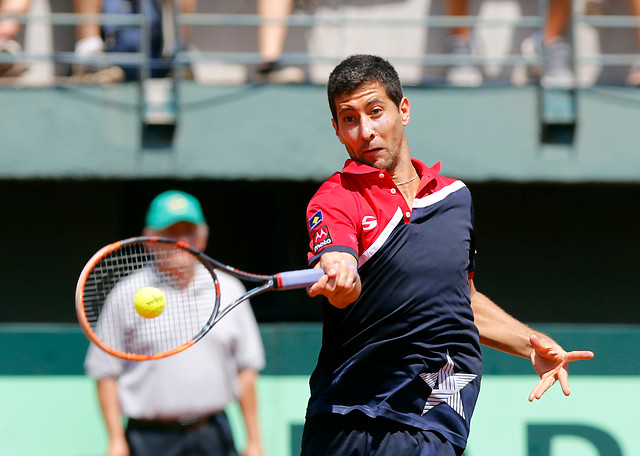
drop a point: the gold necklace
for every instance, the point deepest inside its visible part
(407, 181)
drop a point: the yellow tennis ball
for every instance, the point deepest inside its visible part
(149, 302)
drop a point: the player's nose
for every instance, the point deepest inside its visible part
(367, 128)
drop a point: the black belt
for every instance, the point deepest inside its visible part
(185, 424)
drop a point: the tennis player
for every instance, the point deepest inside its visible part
(400, 365)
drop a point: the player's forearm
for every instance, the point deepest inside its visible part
(110, 406)
(248, 402)
(500, 330)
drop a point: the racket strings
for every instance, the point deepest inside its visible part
(189, 289)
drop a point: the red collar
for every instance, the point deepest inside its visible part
(427, 174)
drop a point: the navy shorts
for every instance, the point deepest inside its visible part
(355, 434)
(212, 439)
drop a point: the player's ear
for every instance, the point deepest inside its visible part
(335, 128)
(405, 111)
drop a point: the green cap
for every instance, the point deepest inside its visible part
(171, 207)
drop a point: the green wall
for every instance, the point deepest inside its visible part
(47, 406)
(274, 132)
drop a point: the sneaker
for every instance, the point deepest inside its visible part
(463, 73)
(275, 73)
(95, 75)
(556, 65)
(11, 69)
(91, 73)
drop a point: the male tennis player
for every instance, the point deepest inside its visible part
(400, 364)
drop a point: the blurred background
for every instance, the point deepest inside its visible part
(543, 131)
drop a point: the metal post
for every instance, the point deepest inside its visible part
(557, 106)
(159, 103)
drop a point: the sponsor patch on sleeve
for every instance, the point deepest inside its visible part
(315, 220)
(321, 237)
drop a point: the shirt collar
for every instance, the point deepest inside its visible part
(354, 167)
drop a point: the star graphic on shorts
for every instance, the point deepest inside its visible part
(445, 387)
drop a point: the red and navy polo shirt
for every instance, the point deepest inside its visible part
(407, 349)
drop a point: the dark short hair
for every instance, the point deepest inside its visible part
(359, 69)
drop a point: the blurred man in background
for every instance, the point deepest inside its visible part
(175, 406)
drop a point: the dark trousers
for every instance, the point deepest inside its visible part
(212, 439)
(355, 434)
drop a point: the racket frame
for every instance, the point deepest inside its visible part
(280, 281)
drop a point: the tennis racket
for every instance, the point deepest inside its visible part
(184, 281)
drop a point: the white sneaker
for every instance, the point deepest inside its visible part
(556, 64)
(463, 73)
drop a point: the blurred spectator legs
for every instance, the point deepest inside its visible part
(633, 79)
(552, 44)
(89, 43)
(9, 29)
(603, 7)
(271, 39)
(460, 44)
(557, 68)
(554, 47)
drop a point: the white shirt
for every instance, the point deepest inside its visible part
(198, 381)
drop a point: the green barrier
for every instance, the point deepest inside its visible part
(48, 407)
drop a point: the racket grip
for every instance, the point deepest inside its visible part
(300, 278)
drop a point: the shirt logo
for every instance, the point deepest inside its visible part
(315, 220)
(369, 222)
(321, 237)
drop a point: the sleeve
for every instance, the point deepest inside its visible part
(249, 351)
(99, 365)
(331, 223)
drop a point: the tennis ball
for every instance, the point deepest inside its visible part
(149, 302)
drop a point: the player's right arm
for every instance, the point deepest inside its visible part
(333, 216)
(112, 415)
(337, 284)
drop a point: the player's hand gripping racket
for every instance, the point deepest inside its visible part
(149, 297)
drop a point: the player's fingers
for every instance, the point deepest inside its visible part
(319, 287)
(540, 347)
(541, 387)
(563, 377)
(343, 277)
(579, 355)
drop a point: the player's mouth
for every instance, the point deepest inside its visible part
(372, 150)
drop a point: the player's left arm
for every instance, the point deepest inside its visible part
(501, 331)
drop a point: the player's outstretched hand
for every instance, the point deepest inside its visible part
(551, 362)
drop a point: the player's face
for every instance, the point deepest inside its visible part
(371, 126)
